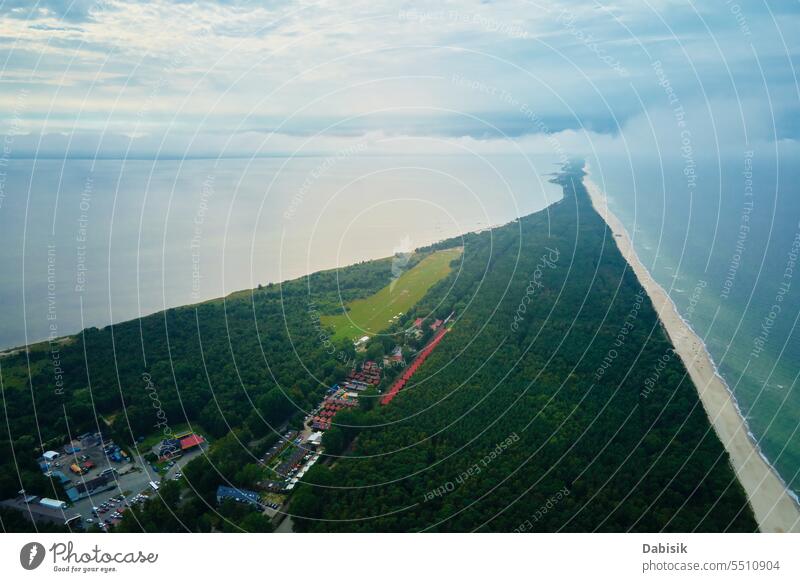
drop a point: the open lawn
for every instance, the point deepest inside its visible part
(373, 314)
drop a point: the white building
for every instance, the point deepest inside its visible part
(54, 503)
(315, 438)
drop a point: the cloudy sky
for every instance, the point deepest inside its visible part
(205, 78)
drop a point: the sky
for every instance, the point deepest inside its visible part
(110, 78)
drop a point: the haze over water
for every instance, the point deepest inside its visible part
(86, 243)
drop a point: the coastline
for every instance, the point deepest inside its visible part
(772, 503)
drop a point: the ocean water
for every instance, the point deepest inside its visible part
(724, 244)
(89, 242)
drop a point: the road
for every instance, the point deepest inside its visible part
(286, 526)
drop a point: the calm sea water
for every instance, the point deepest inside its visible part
(725, 249)
(86, 243)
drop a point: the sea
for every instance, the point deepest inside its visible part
(88, 242)
(723, 239)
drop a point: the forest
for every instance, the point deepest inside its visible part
(555, 403)
(252, 363)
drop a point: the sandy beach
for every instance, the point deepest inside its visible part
(774, 508)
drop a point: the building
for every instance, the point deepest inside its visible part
(168, 448)
(239, 495)
(175, 447)
(315, 438)
(191, 441)
(50, 456)
(62, 478)
(31, 507)
(89, 440)
(52, 503)
(360, 379)
(92, 486)
(416, 329)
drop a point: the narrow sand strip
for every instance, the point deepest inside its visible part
(774, 508)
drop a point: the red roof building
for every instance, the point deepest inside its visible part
(400, 383)
(191, 441)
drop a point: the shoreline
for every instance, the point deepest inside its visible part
(774, 506)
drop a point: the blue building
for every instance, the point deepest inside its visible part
(240, 495)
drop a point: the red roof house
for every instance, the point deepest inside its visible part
(191, 441)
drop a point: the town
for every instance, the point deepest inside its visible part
(102, 479)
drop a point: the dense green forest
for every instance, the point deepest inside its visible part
(537, 412)
(250, 363)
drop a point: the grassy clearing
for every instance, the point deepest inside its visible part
(373, 314)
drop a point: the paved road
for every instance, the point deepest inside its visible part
(286, 526)
(181, 463)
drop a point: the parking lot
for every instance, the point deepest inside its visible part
(87, 458)
(128, 485)
(102, 479)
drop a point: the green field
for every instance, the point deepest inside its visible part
(373, 314)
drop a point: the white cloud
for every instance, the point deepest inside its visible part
(163, 70)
